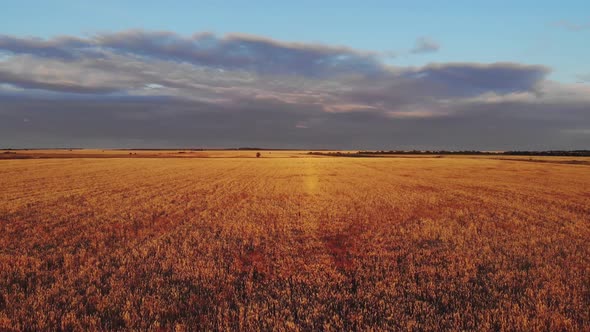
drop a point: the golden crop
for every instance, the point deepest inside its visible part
(285, 243)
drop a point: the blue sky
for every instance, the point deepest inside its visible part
(493, 75)
(472, 31)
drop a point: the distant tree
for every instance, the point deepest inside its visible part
(258, 155)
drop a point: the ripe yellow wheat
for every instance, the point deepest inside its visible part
(308, 243)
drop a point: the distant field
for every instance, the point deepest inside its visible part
(92, 153)
(95, 153)
(294, 243)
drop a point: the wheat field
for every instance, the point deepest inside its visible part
(294, 242)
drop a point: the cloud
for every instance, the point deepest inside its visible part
(571, 26)
(425, 45)
(233, 51)
(160, 89)
(138, 122)
(28, 82)
(469, 78)
(66, 48)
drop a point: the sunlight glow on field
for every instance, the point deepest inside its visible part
(310, 178)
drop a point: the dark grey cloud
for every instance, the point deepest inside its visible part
(467, 78)
(425, 45)
(160, 89)
(173, 123)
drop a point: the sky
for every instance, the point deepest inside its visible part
(483, 75)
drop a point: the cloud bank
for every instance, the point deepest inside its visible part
(161, 89)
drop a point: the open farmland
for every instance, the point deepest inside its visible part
(294, 242)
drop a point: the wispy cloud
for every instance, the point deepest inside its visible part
(572, 26)
(425, 45)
